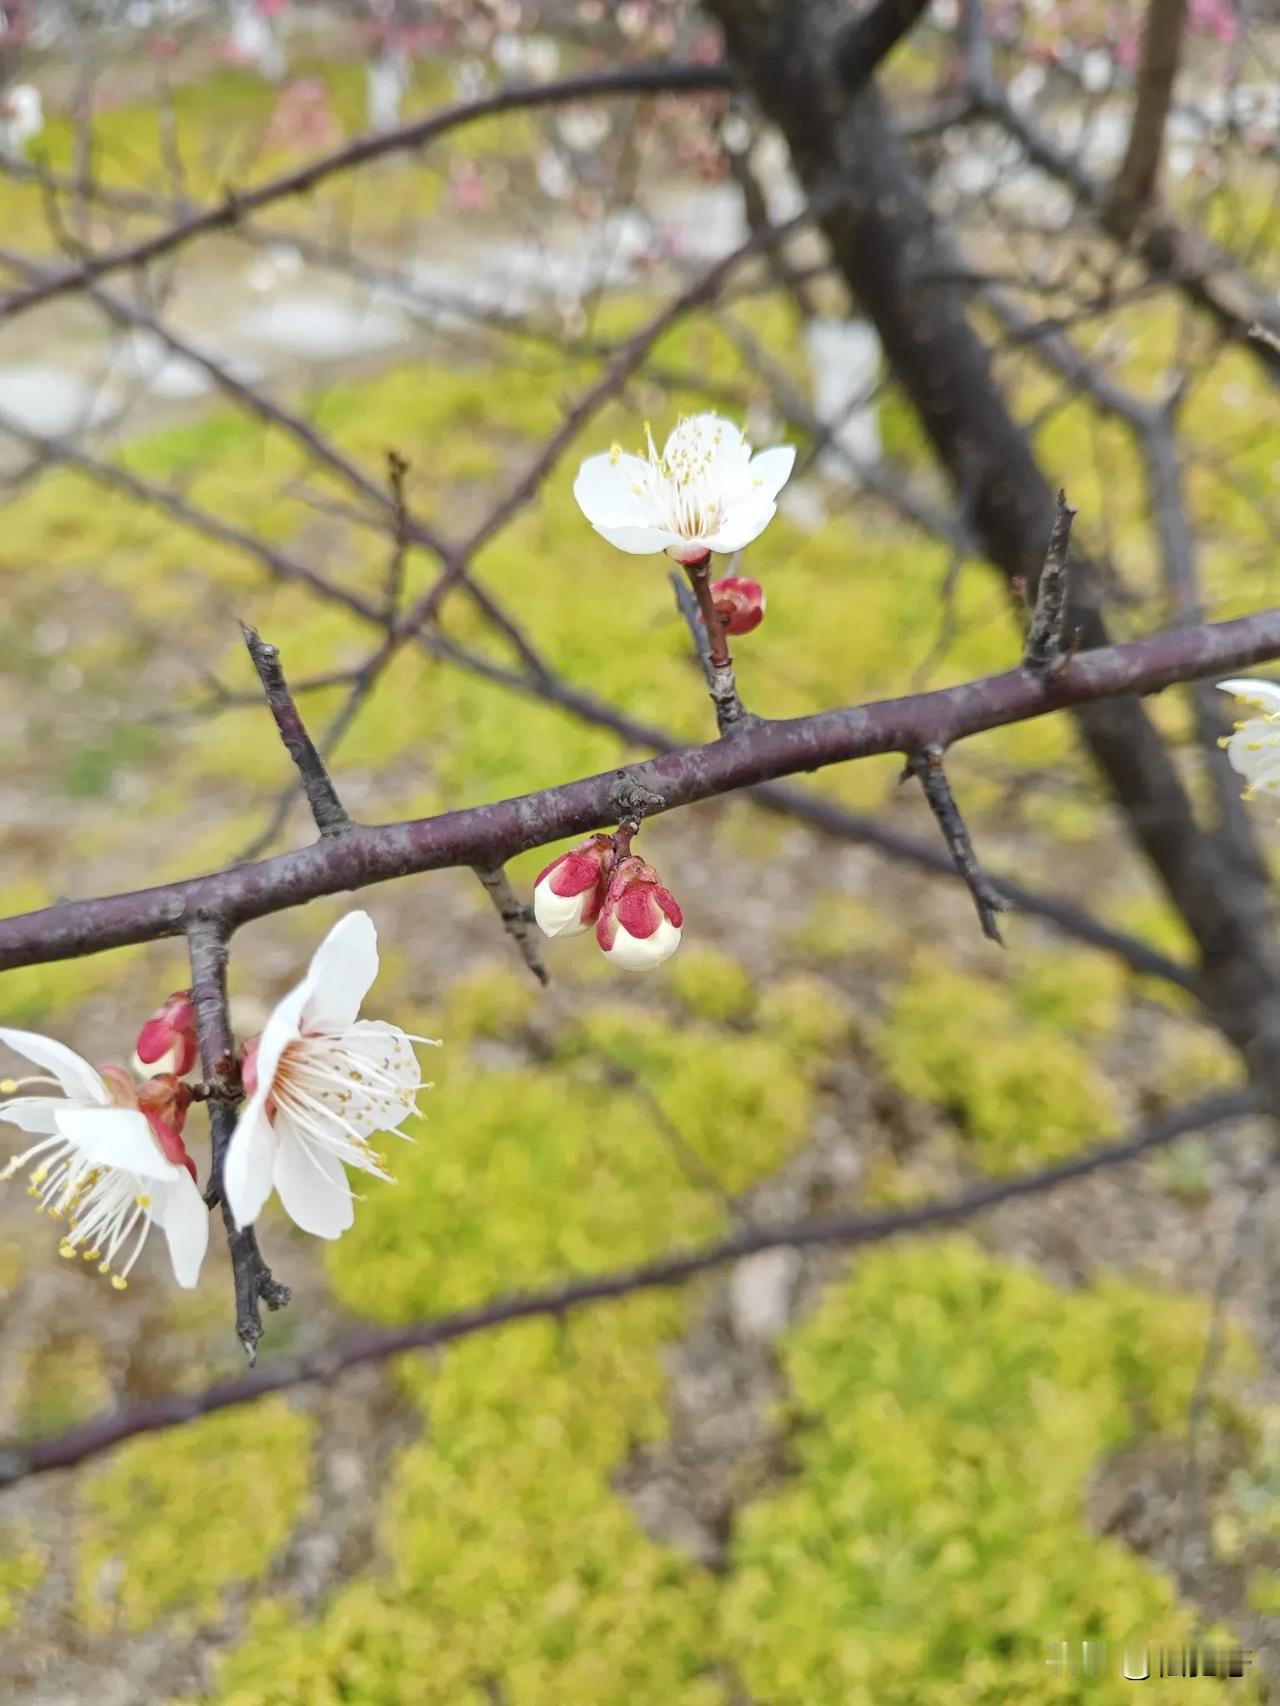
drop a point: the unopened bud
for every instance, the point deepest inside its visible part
(640, 923)
(739, 603)
(249, 1064)
(167, 1042)
(569, 893)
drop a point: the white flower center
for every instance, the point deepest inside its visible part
(684, 485)
(103, 1204)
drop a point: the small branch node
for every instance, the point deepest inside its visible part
(517, 919)
(1045, 654)
(928, 766)
(631, 802)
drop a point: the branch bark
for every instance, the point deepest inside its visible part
(1135, 182)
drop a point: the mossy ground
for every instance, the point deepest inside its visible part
(946, 1404)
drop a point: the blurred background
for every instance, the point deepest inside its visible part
(883, 1478)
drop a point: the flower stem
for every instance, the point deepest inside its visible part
(719, 664)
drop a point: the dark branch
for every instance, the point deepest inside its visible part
(1045, 650)
(866, 41)
(490, 834)
(63, 1451)
(516, 919)
(712, 648)
(207, 944)
(927, 765)
(326, 808)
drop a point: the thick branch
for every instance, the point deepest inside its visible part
(491, 834)
(1135, 182)
(63, 1451)
(326, 808)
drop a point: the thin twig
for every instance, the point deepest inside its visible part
(516, 918)
(207, 939)
(927, 765)
(721, 683)
(60, 1451)
(326, 808)
(1045, 651)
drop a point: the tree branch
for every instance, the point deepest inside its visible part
(62, 1451)
(1045, 649)
(516, 919)
(927, 765)
(490, 834)
(207, 938)
(326, 808)
(1162, 39)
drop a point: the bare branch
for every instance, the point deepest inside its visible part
(207, 938)
(326, 808)
(1162, 39)
(927, 765)
(62, 1451)
(516, 919)
(490, 834)
(1045, 650)
(718, 665)
(868, 39)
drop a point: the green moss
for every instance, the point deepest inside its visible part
(169, 1524)
(1020, 1089)
(22, 1567)
(712, 985)
(951, 1408)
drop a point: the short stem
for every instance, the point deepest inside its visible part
(622, 836)
(700, 579)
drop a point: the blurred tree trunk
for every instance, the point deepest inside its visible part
(899, 266)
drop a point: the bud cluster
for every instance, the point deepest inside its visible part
(601, 884)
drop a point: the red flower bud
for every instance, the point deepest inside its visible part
(168, 1039)
(739, 603)
(569, 893)
(164, 1100)
(640, 923)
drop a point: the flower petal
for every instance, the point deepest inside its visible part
(78, 1079)
(606, 491)
(116, 1137)
(246, 1174)
(747, 522)
(771, 469)
(641, 541)
(342, 971)
(708, 433)
(180, 1210)
(1259, 695)
(33, 1113)
(313, 1187)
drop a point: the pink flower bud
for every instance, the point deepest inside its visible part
(568, 895)
(168, 1039)
(164, 1100)
(740, 603)
(639, 924)
(249, 1064)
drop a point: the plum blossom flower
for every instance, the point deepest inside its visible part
(569, 893)
(1253, 751)
(167, 1042)
(640, 923)
(321, 1081)
(109, 1158)
(705, 492)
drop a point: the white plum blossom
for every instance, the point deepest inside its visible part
(21, 119)
(108, 1160)
(1253, 751)
(321, 1082)
(705, 492)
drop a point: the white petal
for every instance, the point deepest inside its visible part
(771, 469)
(246, 1174)
(342, 971)
(1259, 695)
(313, 1188)
(1254, 749)
(747, 522)
(641, 541)
(33, 1113)
(116, 1137)
(606, 491)
(283, 1026)
(640, 953)
(78, 1079)
(708, 433)
(380, 1105)
(559, 914)
(179, 1209)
